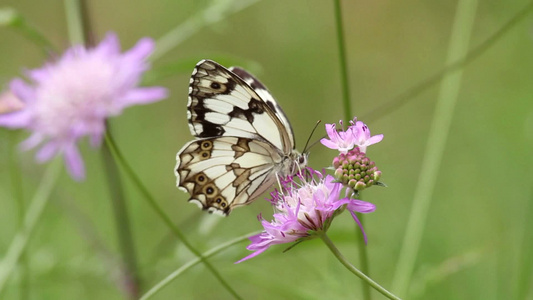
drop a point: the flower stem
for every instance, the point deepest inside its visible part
(80, 32)
(122, 223)
(459, 63)
(32, 216)
(159, 211)
(16, 190)
(74, 22)
(438, 134)
(159, 286)
(354, 270)
(363, 256)
(343, 62)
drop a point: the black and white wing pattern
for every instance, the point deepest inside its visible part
(244, 140)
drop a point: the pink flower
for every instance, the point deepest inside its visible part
(362, 136)
(357, 134)
(343, 141)
(302, 209)
(73, 96)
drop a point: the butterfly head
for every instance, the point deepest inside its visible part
(297, 162)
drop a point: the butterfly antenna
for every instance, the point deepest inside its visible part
(309, 138)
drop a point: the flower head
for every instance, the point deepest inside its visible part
(302, 209)
(362, 136)
(357, 134)
(73, 96)
(355, 170)
(340, 140)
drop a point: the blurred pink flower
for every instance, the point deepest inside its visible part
(302, 209)
(9, 102)
(73, 96)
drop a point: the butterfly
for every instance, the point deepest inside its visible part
(244, 140)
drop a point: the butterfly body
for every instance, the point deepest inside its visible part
(244, 140)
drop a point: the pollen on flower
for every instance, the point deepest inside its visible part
(356, 170)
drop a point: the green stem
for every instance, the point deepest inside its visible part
(80, 31)
(343, 62)
(159, 211)
(436, 143)
(363, 256)
(122, 223)
(31, 218)
(16, 184)
(354, 270)
(172, 276)
(524, 276)
(215, 11)
(455, 65)
(73, 13)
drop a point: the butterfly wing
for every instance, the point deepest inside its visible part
(222, 173)
(244, 139)
(221, 103)
(262, 91)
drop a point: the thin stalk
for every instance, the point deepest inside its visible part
(172, 276)
(455, 65)
(31, 218)
(524, 278)
(75, 30)
(16, 190)
(343, 62)
(122, 223)
(436, 143)
(161, 214)
(363, 257)
(217, 10)
(80, 32)
(354, 270)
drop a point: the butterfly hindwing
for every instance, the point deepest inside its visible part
(224, 172)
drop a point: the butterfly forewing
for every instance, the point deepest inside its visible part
(261, 90)
(223, 104)
(244, 139)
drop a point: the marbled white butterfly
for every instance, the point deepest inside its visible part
(244, 140)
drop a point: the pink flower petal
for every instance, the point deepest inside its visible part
(17, 119)
(46, 152)
(144, 95)
(74, 162)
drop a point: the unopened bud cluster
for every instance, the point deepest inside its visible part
(356, 170)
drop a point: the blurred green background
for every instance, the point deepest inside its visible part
(477, 239)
